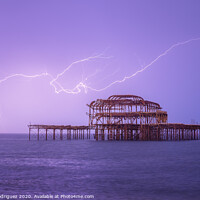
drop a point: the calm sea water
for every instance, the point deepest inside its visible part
(107, 170)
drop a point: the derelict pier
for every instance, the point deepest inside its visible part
(121, 117)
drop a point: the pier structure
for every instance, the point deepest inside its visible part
(121, 117)
(56, 132)
(130, 117)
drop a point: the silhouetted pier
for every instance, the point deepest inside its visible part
(121, 117)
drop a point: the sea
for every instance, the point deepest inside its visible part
(89, 169)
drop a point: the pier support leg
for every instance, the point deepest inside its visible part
(46, 134)
(117, 134)
(38, 136)
(54, 134)
(102, 134)
(96, 133)
(125, 133)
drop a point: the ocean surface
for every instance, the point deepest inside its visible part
(104, 169)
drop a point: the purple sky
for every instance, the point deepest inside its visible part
(47, 36)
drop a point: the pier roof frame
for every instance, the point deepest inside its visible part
(117, 100)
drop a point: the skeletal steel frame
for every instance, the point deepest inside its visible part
(123, 117)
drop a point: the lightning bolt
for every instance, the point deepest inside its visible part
(145, 67)
(24, 76)
(82, 84)
(54, 81)
(77, 88)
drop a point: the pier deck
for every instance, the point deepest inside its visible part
(148, 132)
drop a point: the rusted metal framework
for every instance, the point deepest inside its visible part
(121, 117)
(130, 117)
(125, 109)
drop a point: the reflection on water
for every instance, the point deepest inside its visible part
(108, 170)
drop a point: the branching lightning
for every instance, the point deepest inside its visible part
(147, 66)
(58, 87)
(77, 88)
